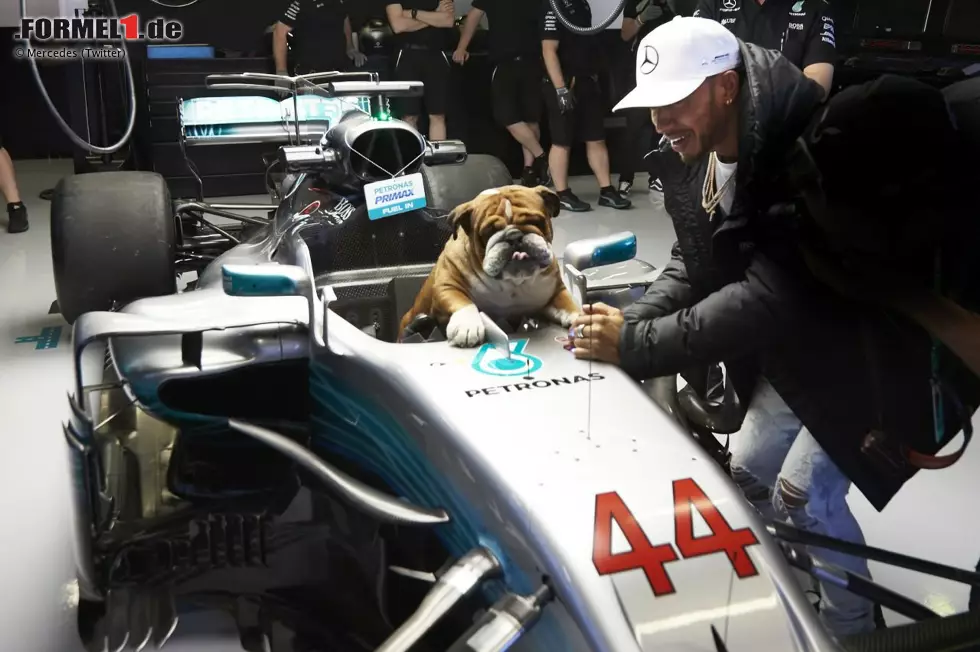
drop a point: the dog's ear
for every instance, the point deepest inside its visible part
(552, 205)
(462, 218)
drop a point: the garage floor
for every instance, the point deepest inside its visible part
(933, 517)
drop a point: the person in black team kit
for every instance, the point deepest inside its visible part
(324, 34)
(16, 211)
(803, 30)
(424, 32)
(640, 17)
(573, 98)
(516, 79)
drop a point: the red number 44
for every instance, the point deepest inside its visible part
(688, 496)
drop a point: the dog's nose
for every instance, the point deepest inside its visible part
(513, 234)
(520, 255)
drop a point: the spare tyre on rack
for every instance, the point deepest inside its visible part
(112, 240)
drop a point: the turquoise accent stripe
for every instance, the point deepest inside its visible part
(350, 425)
(256, 281)
(149, 397)
(353, 426)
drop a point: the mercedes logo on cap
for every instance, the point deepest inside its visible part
(650, 59)
(729, 4)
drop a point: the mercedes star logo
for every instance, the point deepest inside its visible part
(729, 4)
(650, 59)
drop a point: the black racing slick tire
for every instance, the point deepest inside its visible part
(112, 240)
(448, 186)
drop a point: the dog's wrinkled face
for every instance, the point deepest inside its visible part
(510, 230)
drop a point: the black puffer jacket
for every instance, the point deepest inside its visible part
(738, 291)
(721, 295)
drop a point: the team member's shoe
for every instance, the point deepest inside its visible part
(17, 218)
(625, 187)
(655, 185)
(571, 203)
(541, 169)
(529, 178)
(612, 198)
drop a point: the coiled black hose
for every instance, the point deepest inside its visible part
(587, 31)
(62, 124)
(952, 634)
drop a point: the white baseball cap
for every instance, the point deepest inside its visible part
(673, 60)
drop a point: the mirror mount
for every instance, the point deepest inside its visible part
(276, 280)
(445, 152)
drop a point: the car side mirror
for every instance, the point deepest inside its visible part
(603, 250)
(595, 252)
(265, 281)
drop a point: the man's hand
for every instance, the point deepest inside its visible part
(460, 56)
(358, 57)
(566, 102)
(448, 7)
(282, 83)
(597, 333)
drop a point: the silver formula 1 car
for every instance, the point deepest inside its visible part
(259, 444)
(120, 236)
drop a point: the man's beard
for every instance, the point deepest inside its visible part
(690, 159)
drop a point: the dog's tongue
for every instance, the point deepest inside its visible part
(519, 255)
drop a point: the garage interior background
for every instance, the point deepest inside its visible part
(241, 43)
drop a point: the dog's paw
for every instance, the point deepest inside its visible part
(561, 317)
(566, 318)
(466, 328)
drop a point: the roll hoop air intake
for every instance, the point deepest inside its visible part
(374, 150)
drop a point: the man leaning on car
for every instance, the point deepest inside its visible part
(737, 291)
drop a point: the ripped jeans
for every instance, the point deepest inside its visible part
(772, 450)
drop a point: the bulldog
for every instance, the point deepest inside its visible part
(499, 261)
